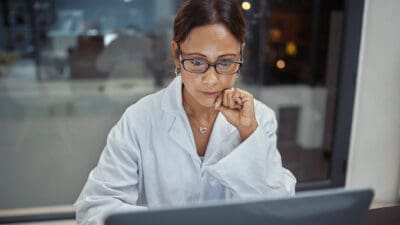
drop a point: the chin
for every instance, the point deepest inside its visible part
(206, 102)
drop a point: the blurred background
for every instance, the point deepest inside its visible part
(69, 68)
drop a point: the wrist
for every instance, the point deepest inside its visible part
(245, 132)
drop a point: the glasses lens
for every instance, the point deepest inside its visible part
(227, 67)
(195, 65)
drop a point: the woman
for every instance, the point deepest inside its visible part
(198, 139)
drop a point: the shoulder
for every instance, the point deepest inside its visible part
(136, 121)
(145, 108)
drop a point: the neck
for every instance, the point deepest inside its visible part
(195, 109)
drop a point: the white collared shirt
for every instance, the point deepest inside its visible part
(150, 160)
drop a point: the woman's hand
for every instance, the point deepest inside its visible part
(238, 108)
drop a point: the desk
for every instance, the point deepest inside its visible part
(384, 216)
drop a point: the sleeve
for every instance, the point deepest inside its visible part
(253, 168)
(113, 184)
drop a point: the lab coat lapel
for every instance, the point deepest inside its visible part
(179, 133)
(176, 120)
(223, 139)
(222, 130)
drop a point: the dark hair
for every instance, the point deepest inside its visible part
(195, 13)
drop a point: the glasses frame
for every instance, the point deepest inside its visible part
(182, 60)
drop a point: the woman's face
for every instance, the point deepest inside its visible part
(210, 43)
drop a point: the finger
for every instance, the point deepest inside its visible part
(231, 101)
(244, 95)
(245, 100)
(248, 105)
(237, 99)
(225, 97)
(218, 102)
(238, 103)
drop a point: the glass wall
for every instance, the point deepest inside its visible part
(69, 68)
(293, 59)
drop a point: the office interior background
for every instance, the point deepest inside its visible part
(68, 70)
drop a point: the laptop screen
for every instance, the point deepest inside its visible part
(328, 207)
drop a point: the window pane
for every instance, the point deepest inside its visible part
(69, 69)
(294, 53)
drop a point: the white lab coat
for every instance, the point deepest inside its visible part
(150, 160)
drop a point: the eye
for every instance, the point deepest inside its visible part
(197, 62)
(226, 63)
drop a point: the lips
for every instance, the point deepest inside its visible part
(210, 93)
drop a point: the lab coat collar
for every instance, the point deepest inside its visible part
(172, 99)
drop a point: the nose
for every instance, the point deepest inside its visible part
(210, 77)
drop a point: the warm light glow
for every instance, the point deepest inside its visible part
(246, 5)
(281, 64)
(291, 48)
(275, 34)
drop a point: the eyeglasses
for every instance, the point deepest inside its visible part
(200, 66)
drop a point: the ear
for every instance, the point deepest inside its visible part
(175, 54)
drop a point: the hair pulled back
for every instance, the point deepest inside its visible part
(196, 13)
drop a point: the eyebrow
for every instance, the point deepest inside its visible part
(202, 55)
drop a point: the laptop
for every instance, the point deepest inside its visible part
(327, 207)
